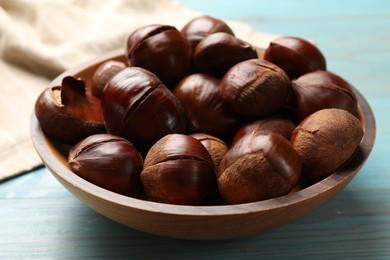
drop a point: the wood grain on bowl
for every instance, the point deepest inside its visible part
(198, 222)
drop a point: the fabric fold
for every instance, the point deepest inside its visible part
(40, 39)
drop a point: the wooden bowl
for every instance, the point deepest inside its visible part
(198, 222)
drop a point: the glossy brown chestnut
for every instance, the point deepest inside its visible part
(201, 26)
(295, 56)
(258, 167)
(137, 106)
(255, 87)
(103, 73)
(108, 161)
(161, 49)
(178, 170)
(319, 90)
(324, 141)
(218, 52)
(215, 146)
(273, 124)
(200, 97)
(67, 113)
(327, 77)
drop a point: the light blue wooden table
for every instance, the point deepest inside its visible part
(40, 219)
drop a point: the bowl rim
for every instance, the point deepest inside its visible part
(348, 170)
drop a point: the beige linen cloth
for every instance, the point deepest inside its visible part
(39, 39)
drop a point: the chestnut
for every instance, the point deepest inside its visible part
(324, 141)
(215, 146)
(137, 106)
(327, 77)
(103, 73)
(255, 88)
(295, 56)
(201, 26)
(319, 90)
(67, 113)
(161, 49)
(273, 124)
(108, 161)
(218, 52)
(178, 170)
(258, 167)
(207, 113)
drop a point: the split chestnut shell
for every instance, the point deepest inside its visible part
(254, 88)
(137, 106)
(68, 113)
(178, 169)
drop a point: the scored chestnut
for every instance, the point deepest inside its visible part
(258, 167)
(254, 88)
(296, 56)
(161, 49)
(108, 161)
(218, 52)
(178, 169)
(207, 112)
(319, 90)
(68, 113)
(136, 105)
(201, 26)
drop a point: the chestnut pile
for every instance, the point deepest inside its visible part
(200, 117)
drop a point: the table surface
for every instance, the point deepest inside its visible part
(40, 219)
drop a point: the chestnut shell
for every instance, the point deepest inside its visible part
(103, 74)
(258, 167)
(320, 90)
(67, 113)
(215, 146)
(201, 26)
(108, 161)
(207, 112)
(137, 106)
(274, 124)
(296, 56)
(325, 140)
(218, 52)
(254, 88)
(178, 169)
(161, 49)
